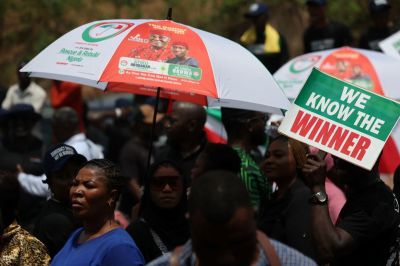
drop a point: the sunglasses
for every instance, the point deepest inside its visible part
(159, 182)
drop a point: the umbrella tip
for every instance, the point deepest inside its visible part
(169, 15)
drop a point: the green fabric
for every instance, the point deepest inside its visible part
(255, 181)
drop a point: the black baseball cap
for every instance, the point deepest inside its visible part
(56, 158)
(256, 9)
(376, 6)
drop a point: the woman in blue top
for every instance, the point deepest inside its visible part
(94, 193)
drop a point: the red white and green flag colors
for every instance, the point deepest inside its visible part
(342, 119)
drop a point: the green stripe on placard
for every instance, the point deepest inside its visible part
(323, 94)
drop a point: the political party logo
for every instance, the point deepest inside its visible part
(104, 31)
(303, 63)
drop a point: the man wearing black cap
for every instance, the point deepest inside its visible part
(380, 27)
(263, 40)
(55, 222)
(323, 34)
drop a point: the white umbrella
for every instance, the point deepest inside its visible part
(368, 69)
(121, 55)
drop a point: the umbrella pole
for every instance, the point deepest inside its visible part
(153, 126)
(152, 132)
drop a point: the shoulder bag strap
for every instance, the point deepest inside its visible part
(157, 240)
(268, 248)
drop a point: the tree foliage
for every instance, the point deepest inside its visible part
(27, 27)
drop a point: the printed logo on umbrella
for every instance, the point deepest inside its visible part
(304, 63)
(104, 30)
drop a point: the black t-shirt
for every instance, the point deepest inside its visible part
(371, 38)
(133, 164)
(29, 156)
(54, 225)
(288, 219)
(369, 216)
(333, 35)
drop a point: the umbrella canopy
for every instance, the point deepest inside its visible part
(367, 69)
(139, 56)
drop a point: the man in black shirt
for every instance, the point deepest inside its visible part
(368, 223)
(55, 222)
(380, 28)
(323, 34)
(186, 137)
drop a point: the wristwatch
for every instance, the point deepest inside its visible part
(319, 198)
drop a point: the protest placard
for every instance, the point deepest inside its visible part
(342, 119)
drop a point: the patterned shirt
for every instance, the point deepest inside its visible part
(287, 256)
(18, 247)
(255, 181)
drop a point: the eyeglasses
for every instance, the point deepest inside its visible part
(159, 182)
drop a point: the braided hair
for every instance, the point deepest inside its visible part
(111, 172)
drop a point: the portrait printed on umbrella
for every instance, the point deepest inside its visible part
(165, 52)
(353, 67)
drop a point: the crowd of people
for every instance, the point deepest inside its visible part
(82, 187)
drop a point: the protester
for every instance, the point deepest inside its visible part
(263, 40)
(55, 222)
(162, 224)
(133, 157)
(65, 127)
(111, 128)
(368, 224)
(17, 246)
(286, 216)
(26, 91)
(381, 26)
(157, 49)
(246, 131)
(186, 137)
(323, 34)
(216, 156)
(63, 93)
(223, 229)
(94, 194)
(118, 130)
(181, 51)
(20, 147)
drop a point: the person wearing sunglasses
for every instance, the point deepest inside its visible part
(162, 224)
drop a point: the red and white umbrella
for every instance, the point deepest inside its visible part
(367, 69)
(139, 56)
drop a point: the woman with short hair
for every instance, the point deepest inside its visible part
(101, 241)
